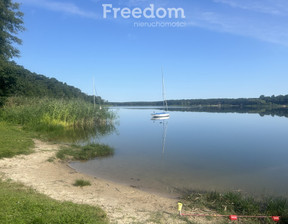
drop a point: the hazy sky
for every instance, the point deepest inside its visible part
(215, 48)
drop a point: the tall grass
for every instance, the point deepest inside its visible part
(236, 203)
(55, 115)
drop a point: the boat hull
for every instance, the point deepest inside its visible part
(160, 115)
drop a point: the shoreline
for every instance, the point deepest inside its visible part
(123, 204)
(173, 196)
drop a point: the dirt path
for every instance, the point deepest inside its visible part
(123, 204)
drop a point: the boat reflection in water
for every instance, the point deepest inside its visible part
(162, 120)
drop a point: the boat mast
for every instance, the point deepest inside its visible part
(163, 91)
(94, 96)
(94, 93)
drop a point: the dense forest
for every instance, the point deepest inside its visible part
(18, 81)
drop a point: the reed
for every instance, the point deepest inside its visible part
(240, 204)
(50, 115)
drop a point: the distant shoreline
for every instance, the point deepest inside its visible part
(264, 110)
(273, 101)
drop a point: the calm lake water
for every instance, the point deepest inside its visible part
(196, 151)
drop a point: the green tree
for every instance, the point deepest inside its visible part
(11, 24)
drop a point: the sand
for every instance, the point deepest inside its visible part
(123, 204)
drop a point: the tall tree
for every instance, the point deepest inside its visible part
(11, 23)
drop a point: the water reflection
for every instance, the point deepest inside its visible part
(199, 151)
(262, 111)
(164, 122)
(84, 135)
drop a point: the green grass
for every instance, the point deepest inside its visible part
(57, 118)
(236, 203)
(20, 205)
(82, 183)
(14, 141)
(86, 152)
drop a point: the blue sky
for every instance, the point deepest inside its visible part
(227, 48)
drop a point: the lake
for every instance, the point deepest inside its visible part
(195, 151)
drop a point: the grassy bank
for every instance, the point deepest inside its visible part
(14, 141)
(22, 119)
(235, 203)
(58, 118)
(22, 205)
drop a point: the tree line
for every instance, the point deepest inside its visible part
(262, 101)
(18, 81)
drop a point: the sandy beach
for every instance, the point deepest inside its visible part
(123, 204)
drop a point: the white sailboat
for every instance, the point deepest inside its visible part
(164, 114)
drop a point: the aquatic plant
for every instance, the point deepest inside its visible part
(86, 152)
(55, 117)
(240, 204)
